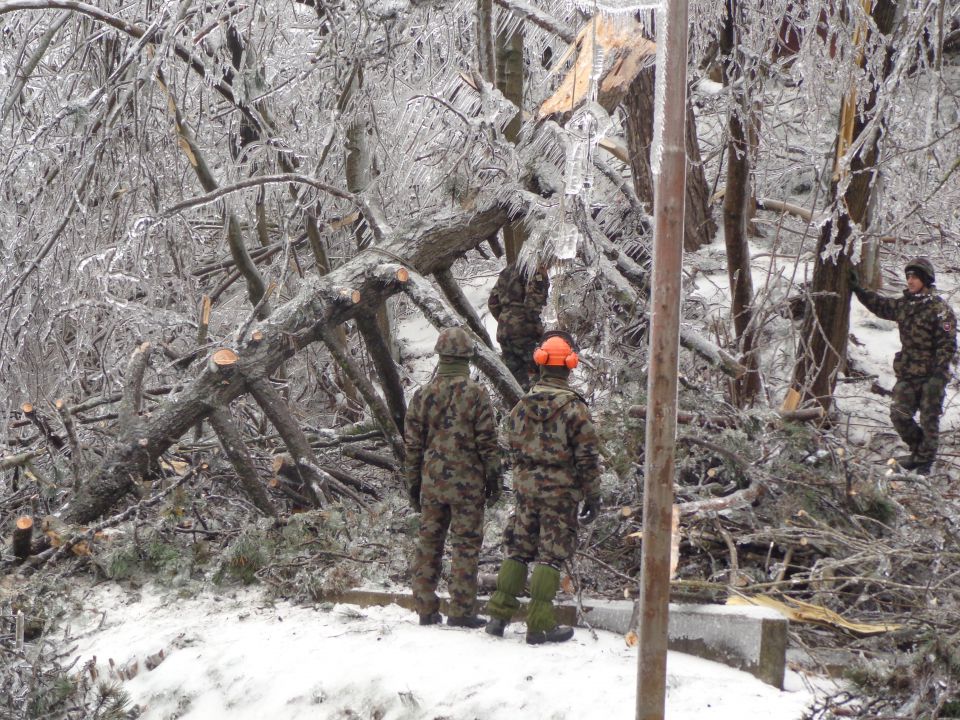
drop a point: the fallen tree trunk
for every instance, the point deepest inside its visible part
(320, 303)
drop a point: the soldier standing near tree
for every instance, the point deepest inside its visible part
(928, 339)
(516, 303)
(452, 463)
(556, 465)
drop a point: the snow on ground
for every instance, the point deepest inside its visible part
(874, 343)
(238, 656)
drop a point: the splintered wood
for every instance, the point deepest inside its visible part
(619, 40)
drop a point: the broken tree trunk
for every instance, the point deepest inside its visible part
(629, 79)
(320, 302)
(822, 344)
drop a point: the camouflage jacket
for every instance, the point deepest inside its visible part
(451, 439)
(516, 302)
(553, 442)
(928, 331)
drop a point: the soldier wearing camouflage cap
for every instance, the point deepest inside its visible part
(516, 303)
(928, 340)
(556, 465)
(452, 463)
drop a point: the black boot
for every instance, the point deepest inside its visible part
(561, 633)
(433, 618)
(466, 621)
(496, 626)
(923, 468)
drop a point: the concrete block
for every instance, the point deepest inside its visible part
(752, 639)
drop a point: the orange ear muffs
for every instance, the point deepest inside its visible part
(558, 350)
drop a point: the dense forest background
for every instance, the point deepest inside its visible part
(229, 230)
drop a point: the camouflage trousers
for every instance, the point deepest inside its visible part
(465, 523)
(926, 396)
(543, 528)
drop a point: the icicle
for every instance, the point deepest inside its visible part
(617, 7)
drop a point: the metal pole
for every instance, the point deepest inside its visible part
(669, 167)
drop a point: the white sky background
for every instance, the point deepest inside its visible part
(236, 656)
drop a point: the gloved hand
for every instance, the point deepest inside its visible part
(414, 494)
(590, 510)
(853, 279)
(493, 489)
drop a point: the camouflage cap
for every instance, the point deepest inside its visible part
(924, 267)
(455, 342)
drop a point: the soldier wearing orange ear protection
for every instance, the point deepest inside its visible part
(556, 465)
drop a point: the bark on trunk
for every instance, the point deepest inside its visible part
(699, 227)
(509, 80)
(822, 346)
(381, 413)
(379, 351)
(736, 205)
(236, 451)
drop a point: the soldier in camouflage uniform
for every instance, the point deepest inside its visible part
(452, 463)
(556, 465)
(516, 303)
(928, 340)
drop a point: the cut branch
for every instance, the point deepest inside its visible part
(8, 462)
(40, 422)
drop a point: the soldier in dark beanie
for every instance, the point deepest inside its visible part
(556, 465)
(516, 303)
(928, 340)
(452, 463)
